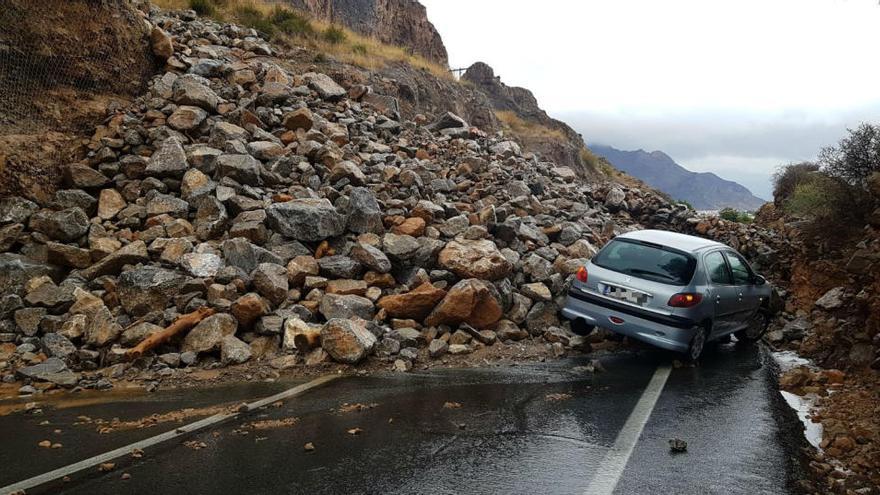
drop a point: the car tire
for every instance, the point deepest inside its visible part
(580, 327)
(697, 345)
(756, 329)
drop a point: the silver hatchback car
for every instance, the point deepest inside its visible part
(671, 290)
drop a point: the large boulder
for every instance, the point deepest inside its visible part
(148, 288)
(306, 219)
(347, 340)
(325, 86)
(475, 259)
(415, 304)
(470, 301)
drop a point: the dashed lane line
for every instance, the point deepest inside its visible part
(214, 420)
(608, 475)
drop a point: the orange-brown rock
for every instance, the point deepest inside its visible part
(416, 304)
(475, 259)
(247, 308)
(413, 226)
(470, 301)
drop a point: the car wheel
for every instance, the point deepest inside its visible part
(697, 345)
(580, 327)
(756, 328)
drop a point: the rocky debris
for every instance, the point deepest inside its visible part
(415, 304)
(832, 299)
(470, 301)
(208, 335)
(305, 219)
(474, 259)
(52, 370)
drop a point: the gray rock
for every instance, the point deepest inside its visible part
(65, 225)
(134, 334)
(615, 200)
(189, 91)
(306, 219)
(448, 121)
(542, 316)
(326, 87)
(51, 370)
(161, 204)
(147, 289)
(133, 253)
(537, 268)
(84, 177)
(240, 168)
(201, 264)
(57, 299)
(239, 252)
(211, 219)
(16, 270)
(187, 117)
(400, 248)
(27, 320)
(364, 214)
(234, 351)
(68, 198)
(55, 345)
(225, 132)
(371, 257)
(339, 267)
(388, 347)
(349, 306)
(408, 337)
(832, 299)
(168, 161)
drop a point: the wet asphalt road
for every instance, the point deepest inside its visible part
(511, 435)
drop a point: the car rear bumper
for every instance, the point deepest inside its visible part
(665, 331)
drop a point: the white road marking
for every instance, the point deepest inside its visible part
(608, 475)
(216, 419)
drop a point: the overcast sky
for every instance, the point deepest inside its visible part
(733, 87)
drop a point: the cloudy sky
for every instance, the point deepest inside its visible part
(733, 87)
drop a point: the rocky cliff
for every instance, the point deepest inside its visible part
(554, 139)
(399, 22)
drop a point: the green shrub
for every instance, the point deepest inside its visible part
(856, 157)
(686, 203)
(334, 35)
(291, 23)
(203, 7)
(253, 18)
(788, 177)
(734, 215)
(359, 48)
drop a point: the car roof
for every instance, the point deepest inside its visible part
(682, 242)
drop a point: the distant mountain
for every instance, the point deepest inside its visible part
(704, 190)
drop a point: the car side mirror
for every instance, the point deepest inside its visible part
(759, 280)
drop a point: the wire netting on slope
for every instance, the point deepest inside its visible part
(51, 51)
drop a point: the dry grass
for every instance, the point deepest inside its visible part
(526, 130)
(335, 41)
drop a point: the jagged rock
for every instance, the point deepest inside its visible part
(437, 348)
(371, 257)
(347, 170)
(346, 287)
(470, 301)
(337, 306)
(506, 149)
(168, 161)
(537, 268)
(101, 327)
(301, 267)
(233, 350)
(326, 87)
(400, 248)
(448, 121)
(161, 44)
(15, 209)
(209, 333)
(110, 203)
(416, 304)
(339, 267)
(188, 91)
(52, 370)
(536, 291)
(147, 289)
(27, 320)
(166, 204)
(542, 316)
(364, 214)
(616, 199)
(133, 253)
(508, 330)
(56, 345)
(270, 281)
(347, 340)
(201, 264)
(65, 225)
(306, 219)
(241, 253)
(474, 259)
(10, 235)
(57, 299)
(134, 334)
(240, 168)
(211, 219)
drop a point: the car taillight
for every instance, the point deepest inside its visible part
(582, 274)
(685, 300)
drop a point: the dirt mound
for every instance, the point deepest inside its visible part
(62, 65)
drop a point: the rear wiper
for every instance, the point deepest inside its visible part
(649, 272)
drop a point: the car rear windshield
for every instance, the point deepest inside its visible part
(648, 261)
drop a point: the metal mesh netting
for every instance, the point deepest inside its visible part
(53, 48)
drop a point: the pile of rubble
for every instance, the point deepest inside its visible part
(315, 225)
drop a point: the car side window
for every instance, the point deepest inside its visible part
(742, 275)
(716, 267)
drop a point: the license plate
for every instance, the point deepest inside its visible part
(622, 294)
